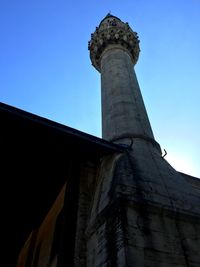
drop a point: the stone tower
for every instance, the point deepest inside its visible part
(144, 213)
(114, 50)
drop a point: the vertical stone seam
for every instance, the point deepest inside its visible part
(181, 236)
(163, 181)
(143, 211)
(175, 216)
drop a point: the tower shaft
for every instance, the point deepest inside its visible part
(123, 111)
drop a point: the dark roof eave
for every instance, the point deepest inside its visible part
(60, 128)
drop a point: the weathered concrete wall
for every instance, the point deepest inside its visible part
(130, 213)
(144, 213)
(158, 238)
(99, 228)
(88, 176)
(141, 236)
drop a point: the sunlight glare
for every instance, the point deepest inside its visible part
(181, 163)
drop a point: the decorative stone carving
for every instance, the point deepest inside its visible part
(112, 31)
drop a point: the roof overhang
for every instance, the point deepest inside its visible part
(36, 154)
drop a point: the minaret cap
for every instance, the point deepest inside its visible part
(112, 31)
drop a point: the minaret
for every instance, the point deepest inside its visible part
(114, 50)
(142, 207)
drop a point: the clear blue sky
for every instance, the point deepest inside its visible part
(45, 67)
